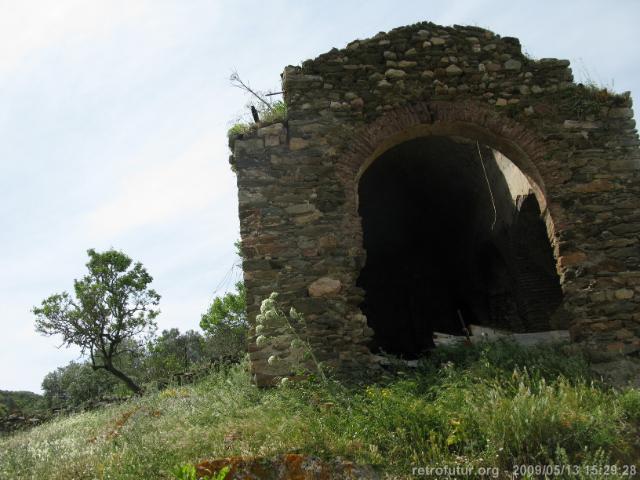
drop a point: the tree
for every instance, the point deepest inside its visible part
(173, 353)
(225, 322)
(77, 384)
(230, 309)
(113, 306)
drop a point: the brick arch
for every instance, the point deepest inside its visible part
(465, 119)
(470, 120)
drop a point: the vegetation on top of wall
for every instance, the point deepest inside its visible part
(492, 405)
(276, 112)
(589, 99)
(267, 111)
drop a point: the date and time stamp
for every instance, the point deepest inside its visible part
(529, 471)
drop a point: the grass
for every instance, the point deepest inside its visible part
(493, 406)
(276, 113)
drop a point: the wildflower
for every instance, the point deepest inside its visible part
(271, 315)
(273, 359)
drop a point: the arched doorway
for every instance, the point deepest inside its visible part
(453, 236)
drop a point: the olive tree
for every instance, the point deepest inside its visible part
(113, 306)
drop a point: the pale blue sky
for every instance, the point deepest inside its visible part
(113, 119)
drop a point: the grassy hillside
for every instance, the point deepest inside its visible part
(491, 406)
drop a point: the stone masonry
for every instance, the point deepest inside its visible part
(298, 179)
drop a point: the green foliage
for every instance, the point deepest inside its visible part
(277, 113)
(25, 403)
(492, 405)
(112, 306)
(239, 129)
(230, 310)
(274, 113)
(185, 472)
(173, 353)
(225, 324)
(77, 385)
(630, 402)
(587, 100)
(188, 472)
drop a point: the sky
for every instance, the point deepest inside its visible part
(113, 120)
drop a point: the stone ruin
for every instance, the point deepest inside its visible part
(433, 176)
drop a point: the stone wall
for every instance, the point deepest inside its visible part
(298, 179)
(15, 421)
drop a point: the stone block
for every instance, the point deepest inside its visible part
(325, 287)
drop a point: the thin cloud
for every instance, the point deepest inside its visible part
(27, 27)
(161, 193)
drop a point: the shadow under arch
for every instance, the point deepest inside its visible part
(454, 287)
(471, 132)
(469, 120)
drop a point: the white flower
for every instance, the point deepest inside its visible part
(267, 304)
(259, 318)
(271, 315)
(261, 341)
(259, 329)
(273, 359)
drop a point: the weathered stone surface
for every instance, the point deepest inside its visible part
(599, 185)
(512, 64)
(298, 143)
(406, 64)
(624, 294)
(291, 466)
(300, 208)
(324, 287)
(582, 125)
(571, 259)
(250, 145)
(395, 73)
(298, 179)
(453, 70)
(275, 129)
(620, 372)
(620, 113)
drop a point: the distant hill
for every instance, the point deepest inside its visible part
(21, 402)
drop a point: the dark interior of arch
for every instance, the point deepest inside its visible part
(437, 251)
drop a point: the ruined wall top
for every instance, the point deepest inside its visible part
(423, 61)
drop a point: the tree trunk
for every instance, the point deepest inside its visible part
(131, 385)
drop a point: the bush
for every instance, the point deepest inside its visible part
(77, 385)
